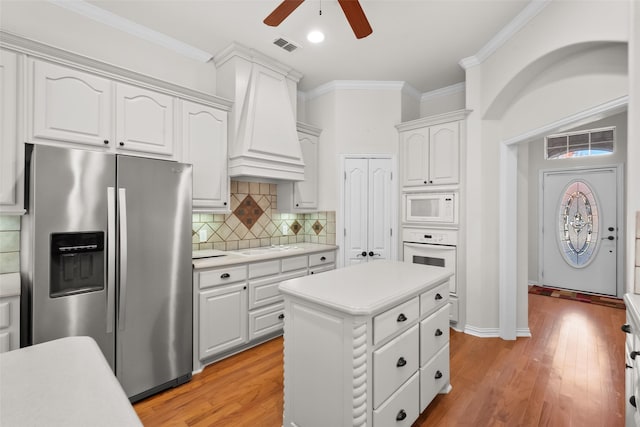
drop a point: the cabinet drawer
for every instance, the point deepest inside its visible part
(321, 258)
(434, 298)
(264, 291)
(222, 276)
(402, 408)
(266, 268)
(393, 364)
(294, 263)
(434, 334)
(394, 319)
(263, 321)
(322, 269)
(434, 377)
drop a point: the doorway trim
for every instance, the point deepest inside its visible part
(508, 208)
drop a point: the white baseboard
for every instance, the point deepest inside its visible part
(494, 332)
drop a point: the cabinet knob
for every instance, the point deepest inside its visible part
(438, 297)
(225, 203)
(311, 272)
(626, 329)
(632, 400)
(225, 275)
(106, 141)
(281, 316)
(371, 253)
(401, 362)
(438, 375)
(401, 415)
(121, 144)
(323, 258)
(610, 228)
(364, 253)
(426, 182)
(634, 354)
(438, 332)
(297, 205)
(402, 317)
(430, 181)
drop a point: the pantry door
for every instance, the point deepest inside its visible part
(580, 230)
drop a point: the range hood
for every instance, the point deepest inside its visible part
(263, 140)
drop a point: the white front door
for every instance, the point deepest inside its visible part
(579, 235)
(367, 210)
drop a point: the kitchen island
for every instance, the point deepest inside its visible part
(365, 345)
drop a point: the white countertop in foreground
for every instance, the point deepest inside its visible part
(257, 254)
(65, 382)
(365, 289)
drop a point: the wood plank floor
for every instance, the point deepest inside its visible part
(570, 373)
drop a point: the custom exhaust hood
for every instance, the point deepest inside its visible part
(263, 140)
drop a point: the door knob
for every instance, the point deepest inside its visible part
(371, 253)
(610, 228)
(364, 253)
(610, 238)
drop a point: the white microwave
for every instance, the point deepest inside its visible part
(432, 208)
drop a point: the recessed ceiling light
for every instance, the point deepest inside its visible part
(315, 36)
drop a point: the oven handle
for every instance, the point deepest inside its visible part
(422, 245)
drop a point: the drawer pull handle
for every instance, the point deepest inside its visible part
(632, 400)
(402, 317)
(225, 275)
(438, 332)
(634, 354)
(438, 297)
(324, 258)
(281, 316)
(401, 362)
(438, 375)
(628, 366)
(401, 415)
(626, 328)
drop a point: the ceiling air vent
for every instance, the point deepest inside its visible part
(287, 45)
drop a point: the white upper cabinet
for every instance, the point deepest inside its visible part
(204, 142)
(430, 150)
(302, 196)
(11, 148)
(144, 120)
(78, 107)
(70, 106)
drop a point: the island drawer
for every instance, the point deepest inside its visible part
(434, 377)
(393, 364)
(266, 268)
(294, 263)
(322, 258)
(222, 276)
(434, 298)
(402, 408)
(434, 334)
(395, 319)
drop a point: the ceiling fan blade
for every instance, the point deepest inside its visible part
(356, 17)
(281, 12)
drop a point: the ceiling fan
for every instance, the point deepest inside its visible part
(351, 8)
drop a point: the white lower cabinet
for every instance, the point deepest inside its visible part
(9, 323)
(434, 377)
(402, 408)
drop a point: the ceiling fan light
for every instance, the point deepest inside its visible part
(315, 36)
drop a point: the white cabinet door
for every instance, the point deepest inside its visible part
(204, 139)
(144, 120)
(415, 157)
(443, 153)
(305, 193)
(70, 106)
(11, 150)
(223, 319)
(368, 204)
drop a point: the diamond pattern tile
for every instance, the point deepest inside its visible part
(317, 227)
(248, 211)
(295, 227)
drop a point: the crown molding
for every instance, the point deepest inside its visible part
(118, 22)
(448, 90)
(527, 14)
(336, 85)
(237, 50)
(451, 116)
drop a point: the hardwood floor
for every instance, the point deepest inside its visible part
(570, 373)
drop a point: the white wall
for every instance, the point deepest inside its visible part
(509, 96)
(444, 100)
(633, 147)
(52, 25)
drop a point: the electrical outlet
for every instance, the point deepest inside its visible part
(202, 234)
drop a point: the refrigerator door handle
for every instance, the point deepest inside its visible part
(122, 206)
(111, 256)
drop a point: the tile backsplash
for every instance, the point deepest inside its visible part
(9, 244)
(254, 221)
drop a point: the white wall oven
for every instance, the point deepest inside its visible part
(435, 247)
(431, 208)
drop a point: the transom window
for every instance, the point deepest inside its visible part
(595, 142)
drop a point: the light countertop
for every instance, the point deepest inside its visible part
(65, 382)
(368, 288)
(224, 258)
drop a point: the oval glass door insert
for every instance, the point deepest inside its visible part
(578, 224)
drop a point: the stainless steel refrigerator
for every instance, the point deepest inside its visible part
(106, 252)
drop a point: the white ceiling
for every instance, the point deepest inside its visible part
(417, 41)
